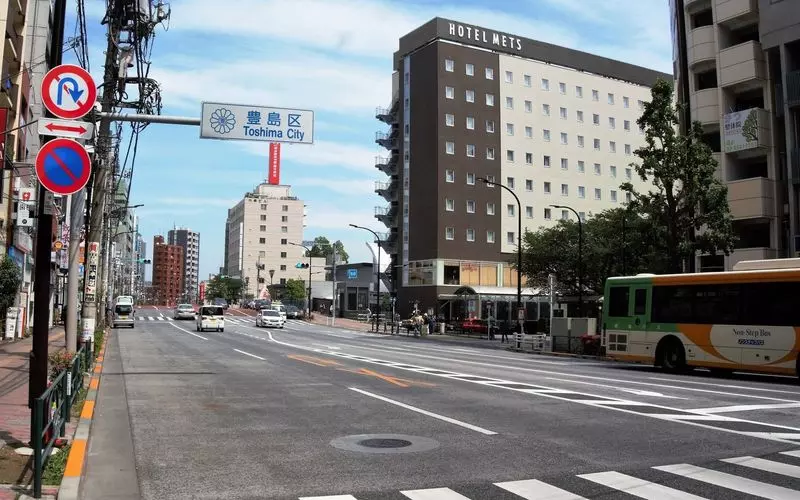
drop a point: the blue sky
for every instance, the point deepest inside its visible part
(332, 56)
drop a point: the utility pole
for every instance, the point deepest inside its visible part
(37, 382)
(77, 212)
(333, 301)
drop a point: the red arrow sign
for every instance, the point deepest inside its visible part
(52, 127)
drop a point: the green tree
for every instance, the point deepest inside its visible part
(750, 126)
(322, 247)
(225, 287)
(686, 205)
(295, 289)
(10, 280)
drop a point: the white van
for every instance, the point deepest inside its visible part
(124, 299)
(210, 318)
(281, 309)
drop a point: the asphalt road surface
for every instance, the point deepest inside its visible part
(316, 412)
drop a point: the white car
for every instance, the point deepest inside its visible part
(281, 310)
(269, 317)
(211, 318)
(184, 311)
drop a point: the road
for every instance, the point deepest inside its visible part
(316, 412)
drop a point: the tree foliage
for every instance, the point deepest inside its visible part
(225, 287)
(687, 206)
(322, 247)
(10, 280)
(615, 242)
(294, 289)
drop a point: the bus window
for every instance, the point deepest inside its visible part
(618, 299)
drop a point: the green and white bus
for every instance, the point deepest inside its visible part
(747, 319)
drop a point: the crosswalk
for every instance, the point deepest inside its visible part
(774, 478)
(233, 321)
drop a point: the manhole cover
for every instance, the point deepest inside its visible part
(385, 443)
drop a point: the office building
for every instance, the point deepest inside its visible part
(167, 272)
(190, 242)
(737, 66)
(140, 251)
(554, 125)
(263, 231)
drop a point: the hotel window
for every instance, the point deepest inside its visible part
(469, 69)
(449, 175)
(490, 209)
(641, 105)
(612, 170)
(613, 195)
(449, 65)
(580, 141)
(526, 80)
(595, 95)
(509, 128)
(470, 206)
(548, 214)
(529, 158)
(470, 235)
(263, 206)
(580, 116)
(284, 208)
(262, 228)
(625, 101)
(449, 233)
(628, 149)
(471, 150)
(641, 129)
(450, 92)
(564, 164)
(509, 155)
(581, 191)
(489, 74)
(509, 103)
(490, 126)
(597, 194)
(612, 122)
(283, 255)
(546, 135)
(578, 91)
(545, 84)
(626, 125)
(283, 267)
(262, 240)
(529, 132)
(470, 179)
(563, 137)
(611, 98)
(612, 146)
(489, 236)
(284, 241)
(509, 77)
(449, 205)
(564, 190)
(510, 238)
(546, 109)
(546, 161)
(449, 120)
(450, 147)
(581, 167)
(490, 153)
(564, 215)
(563, 113)
(597, 144)
(529, 212)
(470, 123)
(595, 119)
(490, 99)
(263, 217)
(528, 106)
(511, 210)
(546, 187)
(628, 173)
(598, 170)
(510, 182)
(528, 184)
(562, 87)
(627, 197)
(469, 95)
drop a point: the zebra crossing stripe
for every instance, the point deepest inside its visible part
(736, 483)
(533, 489)
(638, 487)
(766, 465)
(434, 494)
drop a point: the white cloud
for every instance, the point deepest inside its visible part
(343, 186)
(322, 154)
(151, 212)
(198, 201)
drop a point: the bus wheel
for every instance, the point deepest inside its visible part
(673, 356)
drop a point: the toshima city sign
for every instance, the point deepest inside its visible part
(256, 123)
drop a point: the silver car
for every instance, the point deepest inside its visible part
(123, 316)
(184, 311)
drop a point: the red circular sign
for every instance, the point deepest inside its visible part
(68, 91)
(63, 166)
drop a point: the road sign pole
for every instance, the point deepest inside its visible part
(77, 211)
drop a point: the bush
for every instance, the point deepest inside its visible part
(59, 361)
(99, 335)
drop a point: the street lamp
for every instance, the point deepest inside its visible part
(519, 251)
(309, 274)
(377, 276)
(580, 256)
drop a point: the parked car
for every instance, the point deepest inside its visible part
(123, 316)
(269, 317)
(293, 312)
(219, 301)
(184, 311)
(210, 318)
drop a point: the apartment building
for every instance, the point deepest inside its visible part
(264, 237)
(554, 125)
(190, 242)
(167, 272)
(737, 65)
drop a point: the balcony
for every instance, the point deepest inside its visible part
(387, 189)
(387, 165)
(793, 88)
(693, 6)
(386, 115)
(705, 106)
(701, 46)
(742, 66)
(735, 14)
(386, 215)
(746, 133)
(388, 141)
(752, 198)
(760, 253)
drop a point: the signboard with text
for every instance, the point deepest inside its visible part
(256, 123)
(741, 130)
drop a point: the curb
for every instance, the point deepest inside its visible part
(71, 482)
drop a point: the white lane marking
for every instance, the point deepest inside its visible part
(426, 412)
(638, 392)
(170, 318)
(740, 484)
(727, 386)
(328, 346)
(533, 489)
(251, 355)
(638, 487)
(150, 318)
(699, 418)
(330, 497)
(779, 437)
(766, 465)
(729, 409)
(187, 331)
(793, 453)
(434, 494)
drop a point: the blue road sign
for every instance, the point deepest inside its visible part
(352, 274)
(63, 166)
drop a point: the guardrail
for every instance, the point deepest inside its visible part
(51, 411)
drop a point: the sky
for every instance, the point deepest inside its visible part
(333, 57)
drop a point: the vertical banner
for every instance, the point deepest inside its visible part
(274, 163)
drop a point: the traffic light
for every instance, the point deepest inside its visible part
(301, 265)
